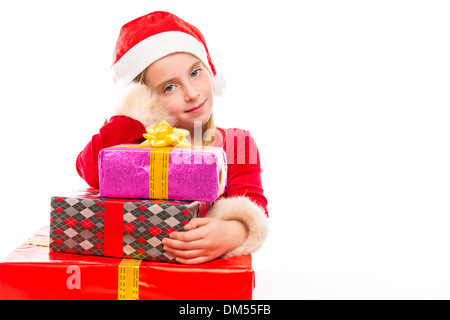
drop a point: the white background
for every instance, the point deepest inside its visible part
(348, 102)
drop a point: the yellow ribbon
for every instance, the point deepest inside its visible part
(159, 173)
(162, 138)
(129, 279)
(39, 243)
(163, 135)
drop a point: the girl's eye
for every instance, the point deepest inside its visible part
(195, 73)
(169, 88)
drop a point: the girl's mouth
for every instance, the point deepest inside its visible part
(197, 108)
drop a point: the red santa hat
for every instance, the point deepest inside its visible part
(152, 37)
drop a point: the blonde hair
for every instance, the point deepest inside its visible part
(209, 129)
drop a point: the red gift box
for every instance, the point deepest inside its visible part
(32, 271)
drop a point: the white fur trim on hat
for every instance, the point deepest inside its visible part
(136, 101)
(153, 48)
(250, 214)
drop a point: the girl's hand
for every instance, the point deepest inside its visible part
(205, 239)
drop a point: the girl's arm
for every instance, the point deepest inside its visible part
(237, 224)
(244, 167)
(136, 108)
(244, 200)
(120, 129)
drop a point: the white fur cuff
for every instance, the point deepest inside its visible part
(136, 101)
(250, 214)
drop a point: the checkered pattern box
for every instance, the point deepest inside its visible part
(85, 223)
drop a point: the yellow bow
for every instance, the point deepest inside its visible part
(163, 135)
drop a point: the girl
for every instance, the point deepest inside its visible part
(167, 73)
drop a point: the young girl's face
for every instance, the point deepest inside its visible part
(184, 86)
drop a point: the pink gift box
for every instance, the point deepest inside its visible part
(196, 173)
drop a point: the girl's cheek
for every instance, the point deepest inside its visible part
(173, 108)
(170, 100)
(167, 103)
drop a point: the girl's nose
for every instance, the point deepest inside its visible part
(191, 93)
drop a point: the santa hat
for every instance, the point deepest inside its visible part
(152, 37)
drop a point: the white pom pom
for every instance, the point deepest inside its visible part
(136, 101)
(219, 84)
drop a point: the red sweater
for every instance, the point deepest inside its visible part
(244, 167)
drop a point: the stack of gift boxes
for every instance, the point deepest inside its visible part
(109, 241)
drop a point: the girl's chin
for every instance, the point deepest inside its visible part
(191, 123)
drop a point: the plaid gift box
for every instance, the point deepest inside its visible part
(85, 223)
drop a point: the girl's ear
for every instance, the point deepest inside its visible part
(219, 84)
(137, 101)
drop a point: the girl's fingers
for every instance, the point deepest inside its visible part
(185, 254)
(181, 245)
(191, 235)
(196, 260)
(196, 223)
